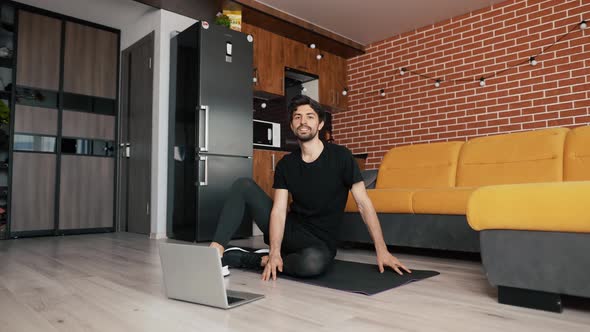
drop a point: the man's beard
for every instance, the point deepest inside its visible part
(306, 137)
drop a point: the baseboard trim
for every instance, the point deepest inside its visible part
(158, 236)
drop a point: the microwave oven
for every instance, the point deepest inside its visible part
(267, 134)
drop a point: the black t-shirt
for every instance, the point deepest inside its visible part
(319, 189)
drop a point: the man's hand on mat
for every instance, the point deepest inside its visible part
(275, 262)
(386, 259)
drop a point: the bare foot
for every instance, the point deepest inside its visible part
(218, 246)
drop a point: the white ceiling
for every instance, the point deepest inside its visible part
(363, 21)
(112, 13)
(367, 21)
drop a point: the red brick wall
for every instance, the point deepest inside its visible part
(553, 93)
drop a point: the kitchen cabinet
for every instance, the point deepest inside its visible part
(272, 53)
(300, 56)
(269, 67)
(332, 72)
(264, 164)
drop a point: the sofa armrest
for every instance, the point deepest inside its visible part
(370, 178)
(553, 206)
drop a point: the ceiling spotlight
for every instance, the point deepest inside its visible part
(482, 82)
(402, 71)
(319, 56)
(312, 45)
(263, 105)
(437, 83)
(583, 25)
(382, 92)
(532, 61)
(345, 91)
(304, 89)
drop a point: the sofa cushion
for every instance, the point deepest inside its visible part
(552, 206)
(419, 166)
(442, 200)
(385, 201)
(577, 155)
(534, 156)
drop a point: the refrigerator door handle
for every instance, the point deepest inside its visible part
(205, 181)
(205, 148)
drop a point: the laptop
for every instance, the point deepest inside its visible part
(193, 274)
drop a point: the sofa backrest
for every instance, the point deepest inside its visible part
(431, 165)
(533, 156)
(577, 155)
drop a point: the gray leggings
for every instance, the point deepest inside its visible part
(304, 254)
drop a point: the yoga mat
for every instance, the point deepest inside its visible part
(362, 278)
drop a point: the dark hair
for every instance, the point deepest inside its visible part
(301, 100)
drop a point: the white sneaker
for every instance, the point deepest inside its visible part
(259, 251)
(262, 251)
(235, 248)
(225, 270)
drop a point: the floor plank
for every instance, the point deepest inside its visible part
(113, 282)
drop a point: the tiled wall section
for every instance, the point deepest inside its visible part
(553, 93)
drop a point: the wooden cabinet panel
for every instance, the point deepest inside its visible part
(332, 71)
(88, 125)
(299, 56)
(264, 163)
(326, 93)
(35, 120)
(269, 68)
(272, 53)
(339, 81)
(105, 64)
(86, 192)
(263, 170)
(39, 47)
(90, 61)
(33, 192)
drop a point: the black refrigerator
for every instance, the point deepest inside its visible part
(210, 127)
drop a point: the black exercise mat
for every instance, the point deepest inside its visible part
(362, 278)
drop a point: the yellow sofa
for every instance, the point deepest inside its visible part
(445, 195)
(535, 237)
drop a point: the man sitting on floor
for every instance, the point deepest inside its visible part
(319, 176)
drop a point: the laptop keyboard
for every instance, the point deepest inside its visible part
(231, 300)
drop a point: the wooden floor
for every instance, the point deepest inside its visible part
(113, 282)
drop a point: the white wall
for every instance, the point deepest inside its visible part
(132, 32)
